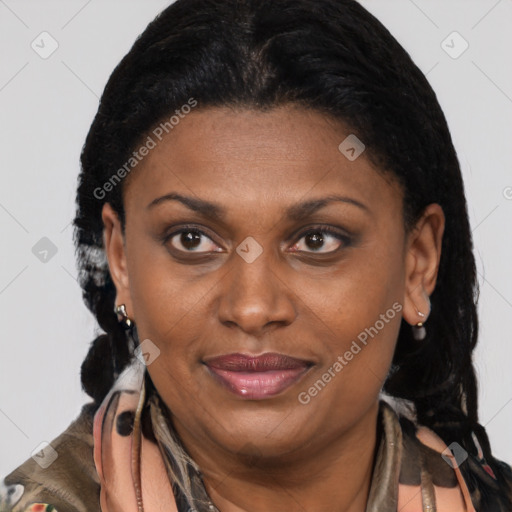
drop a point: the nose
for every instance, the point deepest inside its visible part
(255, 296)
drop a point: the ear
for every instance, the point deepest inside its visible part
(115, 250)
(423, 253)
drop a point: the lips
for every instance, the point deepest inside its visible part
(265, 362)
(257, 377)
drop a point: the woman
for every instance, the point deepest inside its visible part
(272, 231)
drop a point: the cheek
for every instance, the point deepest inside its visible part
(169, 309)
(167, 306)
(356, 352)
(362, 324)
(359, 311)
(164, 293)
(170, 313)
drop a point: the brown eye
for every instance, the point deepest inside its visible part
(191, 240)
(321, 240)
(314, 241)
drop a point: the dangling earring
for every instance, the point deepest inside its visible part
(129, 326)
(126, 322)
(418, 331)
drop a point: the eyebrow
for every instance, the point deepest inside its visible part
(297, 211)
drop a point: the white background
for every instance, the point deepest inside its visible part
(47, 106)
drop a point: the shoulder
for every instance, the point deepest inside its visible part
(60, 478)
(447, 464)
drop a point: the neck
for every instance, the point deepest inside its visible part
(336, 476)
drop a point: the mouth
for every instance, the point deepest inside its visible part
(257, 377)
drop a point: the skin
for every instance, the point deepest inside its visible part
(276, 453)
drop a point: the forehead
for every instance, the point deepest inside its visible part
(243, 156)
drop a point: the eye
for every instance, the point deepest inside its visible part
(316, 239)
(191, 240)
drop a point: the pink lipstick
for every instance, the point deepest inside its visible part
(257, 377)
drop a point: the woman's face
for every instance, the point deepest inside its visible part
(264, 276)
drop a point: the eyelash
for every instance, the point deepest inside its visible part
(314, 229)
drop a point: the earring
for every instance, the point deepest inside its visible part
(126, 322)
(418, 331)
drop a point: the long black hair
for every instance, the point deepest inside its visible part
(336, 58)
